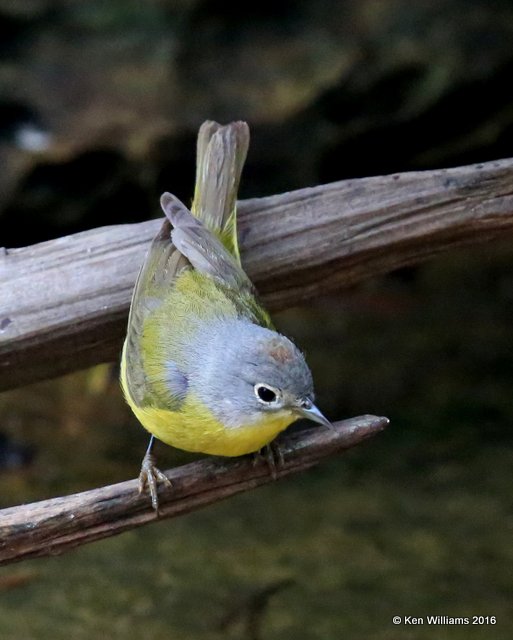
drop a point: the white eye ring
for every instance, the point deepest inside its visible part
(266, 394)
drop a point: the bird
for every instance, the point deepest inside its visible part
(203, 367)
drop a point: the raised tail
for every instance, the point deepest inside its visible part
(221, 153)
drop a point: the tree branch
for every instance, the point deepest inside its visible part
(64, 302)
(57, 525)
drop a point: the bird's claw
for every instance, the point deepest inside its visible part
(273, 456)
(149, 477)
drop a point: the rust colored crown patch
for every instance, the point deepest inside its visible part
(281, 354)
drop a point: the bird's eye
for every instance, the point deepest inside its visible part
(266, 394)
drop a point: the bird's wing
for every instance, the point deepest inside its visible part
(202, 248)
(162, 264)
(208, 255)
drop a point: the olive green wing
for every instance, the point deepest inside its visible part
(204, 250)
(161, 266)
(208, 255)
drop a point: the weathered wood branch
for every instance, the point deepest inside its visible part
(64, 303)
(57, 525)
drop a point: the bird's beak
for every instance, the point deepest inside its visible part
(309, 411)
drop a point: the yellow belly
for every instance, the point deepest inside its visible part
(197, 431)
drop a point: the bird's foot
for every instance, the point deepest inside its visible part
(149, 477)
(273, 456)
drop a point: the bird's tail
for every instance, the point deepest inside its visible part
(221, 154)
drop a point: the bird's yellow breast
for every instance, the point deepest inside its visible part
(194, 428)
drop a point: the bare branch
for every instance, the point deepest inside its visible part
(57, 525)
(64, 303)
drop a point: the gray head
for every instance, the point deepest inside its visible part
(246, 370)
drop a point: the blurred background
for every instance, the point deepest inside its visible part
(100, 103)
